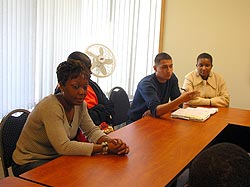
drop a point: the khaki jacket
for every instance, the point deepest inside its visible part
(212, 90)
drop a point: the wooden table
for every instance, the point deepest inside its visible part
(159, 150)
(17, 182)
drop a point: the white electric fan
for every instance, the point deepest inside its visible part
(102, 59)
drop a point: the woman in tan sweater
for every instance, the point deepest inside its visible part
(52, 126)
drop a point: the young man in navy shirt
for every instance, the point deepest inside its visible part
(154, 91)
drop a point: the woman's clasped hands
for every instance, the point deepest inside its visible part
(117, 146)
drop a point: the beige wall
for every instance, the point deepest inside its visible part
(219, 27)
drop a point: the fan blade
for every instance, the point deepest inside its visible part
(108, 61)
(101, 51)
(103, 70)
(91, 54)
(93, 64)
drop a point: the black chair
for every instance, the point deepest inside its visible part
(10, 130)
(121, 105)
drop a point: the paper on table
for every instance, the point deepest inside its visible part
(195, 114)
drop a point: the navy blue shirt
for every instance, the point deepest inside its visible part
(150, 93)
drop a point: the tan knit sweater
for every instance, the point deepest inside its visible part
(47, 134)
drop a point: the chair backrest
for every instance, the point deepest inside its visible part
(10, 130)
(121, 105)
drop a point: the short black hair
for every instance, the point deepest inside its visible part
(162, 56)
(71, 69)
(205, 55)
(77, 55)
(221, 165)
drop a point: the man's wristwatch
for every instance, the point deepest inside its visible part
(105, 147)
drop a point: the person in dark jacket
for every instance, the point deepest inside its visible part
(100, 108)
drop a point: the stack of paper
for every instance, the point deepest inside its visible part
(195, 114)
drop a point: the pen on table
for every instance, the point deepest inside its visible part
(183, 89)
